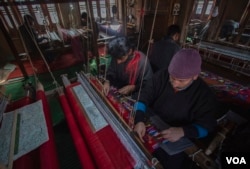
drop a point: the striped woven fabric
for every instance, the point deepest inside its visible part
(104, 145)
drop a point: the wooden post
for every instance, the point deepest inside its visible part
(13, 48)
(107, 10)
(124, 17)
(12, 141)
(94, 33)
(98, 8)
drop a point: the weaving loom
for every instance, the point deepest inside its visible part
(43, 157)
(122, 109)
(108, 143)
(124, 106)
(101, 128)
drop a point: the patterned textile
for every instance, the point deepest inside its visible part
(227, 90)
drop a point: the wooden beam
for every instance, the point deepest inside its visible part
(46, 13)
(16, 13)
(124, 17)
(186, 14)
(9, 15)
(7, 27)
(107, 6)
(245, 18)
(59, 15)
(98, 7)
(222, 15)
(94, 33)
(117, 5)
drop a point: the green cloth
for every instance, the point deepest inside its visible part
(103, 61)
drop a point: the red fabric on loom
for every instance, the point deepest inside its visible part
(30, 160)
(104, 144)
(48, 156)
(97, 150)
(18, 104)
(116, 151)
(77, 47)
(45, 156)
(107, 130)
(81, 147)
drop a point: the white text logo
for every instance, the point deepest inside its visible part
(236, 160)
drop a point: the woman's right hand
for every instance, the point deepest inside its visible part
(140, 129)
(106, 87)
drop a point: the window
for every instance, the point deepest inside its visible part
(199, 7)
(6, 17)
(103, 9)
(53, 13)
(40, 18)
(209, 7)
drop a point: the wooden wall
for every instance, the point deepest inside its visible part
(232, 12)
(164, 18)
(6, 54)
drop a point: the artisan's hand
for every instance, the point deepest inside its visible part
(106, 87)
(173, 133)
(127, 89)
(140, 129)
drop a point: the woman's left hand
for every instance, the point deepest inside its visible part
(127, 89)
(173, 134)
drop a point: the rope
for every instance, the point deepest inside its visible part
(195, 153)
(154, 162)
(26, 50)
(41, 54)
(46, 64)
(145, 63)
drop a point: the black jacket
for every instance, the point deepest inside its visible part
(194, 105)
(131, 72)
(162, 53)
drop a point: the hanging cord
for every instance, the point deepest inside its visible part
(91, 26)
(105, 51)
(133, 113)
(88, 38)
(29, 58)
(45, 26)
(186, 27)
(41, 54)
(194, 154)
(25, 47)
(213, 15)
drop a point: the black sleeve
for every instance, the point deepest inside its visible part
(139, 117)
(149, 94)
(111, 72)
(205, 120)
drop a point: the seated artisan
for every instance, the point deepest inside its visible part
(126, 70)
(181, 99)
